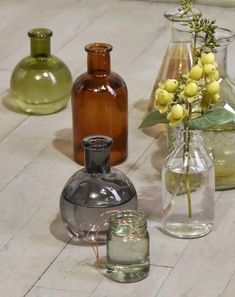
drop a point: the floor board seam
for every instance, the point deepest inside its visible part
(45, 270)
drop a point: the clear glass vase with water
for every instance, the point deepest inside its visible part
(188, 187)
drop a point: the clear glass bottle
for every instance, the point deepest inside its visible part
(100, 104)
(188, 187)
(178, 56)
(220, 140)
(41, 83)
(94, 192)
(128, 247)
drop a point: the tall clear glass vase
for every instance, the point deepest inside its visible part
(220, 140)
(178, 56)
(188, 187)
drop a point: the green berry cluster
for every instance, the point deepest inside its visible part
(180, 98)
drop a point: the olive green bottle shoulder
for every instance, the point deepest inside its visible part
(50, 63)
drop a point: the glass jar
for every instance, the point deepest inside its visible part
(128, 247)
(100, 104)
(41, 83)
(220, 140)
(178, 56)
(188, 187)
(94, 192)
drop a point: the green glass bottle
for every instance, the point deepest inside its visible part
(41, 83)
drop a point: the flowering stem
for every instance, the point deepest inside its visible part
(186, 168)
(194, 49)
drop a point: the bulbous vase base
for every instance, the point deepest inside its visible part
(193, 229)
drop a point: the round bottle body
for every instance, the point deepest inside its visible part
(41, 85)
(88, 200)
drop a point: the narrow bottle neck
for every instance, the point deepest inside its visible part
(188, 137)
(98, 58)
(221, 59)
(98, 63)
(97, 161)
(180, 32)
(97, 153)
(40, 46)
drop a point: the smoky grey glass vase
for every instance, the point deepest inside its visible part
(96, 191)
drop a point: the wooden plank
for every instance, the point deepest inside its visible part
(80, 15)
(42, 292)
(34, 14)
(26, 142)
(32, 189)
(147, 287)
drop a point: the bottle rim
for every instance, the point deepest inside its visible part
(97, 142)
(98, 47)
(224, 35)
(174, 15)
(40, 33)
(136, 219)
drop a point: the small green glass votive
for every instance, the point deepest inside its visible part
(128, 247)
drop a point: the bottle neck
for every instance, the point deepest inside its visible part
(180, 32)
(98, 63)
(188, 137)
(40, 46)
(97, 154)
(98, 58)
(97, 161)
(40, 41)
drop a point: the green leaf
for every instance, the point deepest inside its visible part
(153, 118)
(217, 116)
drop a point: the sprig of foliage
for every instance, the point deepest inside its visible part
(204, 29)
(200, 27)
(186, 6)
(194, 94)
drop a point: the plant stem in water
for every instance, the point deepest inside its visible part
(186, 168)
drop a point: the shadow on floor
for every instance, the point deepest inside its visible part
(63, 142)
(10, 103)
(58, 231)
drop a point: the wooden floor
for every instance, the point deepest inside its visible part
(37, 256)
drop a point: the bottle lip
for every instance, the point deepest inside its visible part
(40, 33)
(98, 47)
(134, 218)
(175, 15)
(97, 142)
(223, 34)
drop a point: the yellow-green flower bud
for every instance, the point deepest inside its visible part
(213, 88)
(177, 112)
(215, 98)
(209, 69)
(215, 75)
(191, 89)
(196, 72)
(171, 85)
(208, 58)
(163, 97)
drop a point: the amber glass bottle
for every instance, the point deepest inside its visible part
(99, 104)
